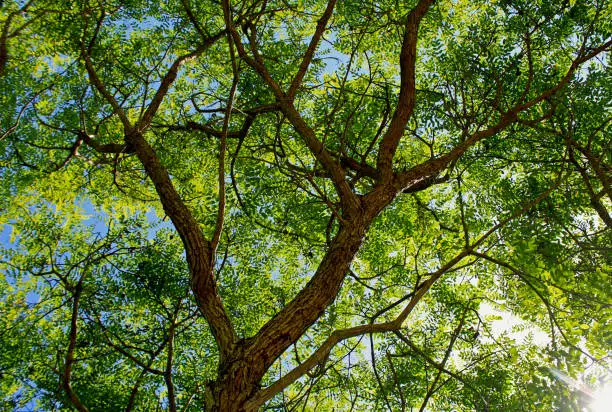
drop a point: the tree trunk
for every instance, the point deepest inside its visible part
(237, 385)
(237, 382)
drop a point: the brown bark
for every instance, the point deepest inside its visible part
(239, 375)
(3, 56)
(407, 95)
(72, 342)
(198, 249)
(241, 371)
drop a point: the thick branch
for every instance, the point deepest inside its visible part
(350, 202)
(407, 98)
(310, 303)
(198, 249)
(319, 356)
(103, 148)
(417, 176)
(339, 335)
(361, 168)
(200, 255)
(288, 325)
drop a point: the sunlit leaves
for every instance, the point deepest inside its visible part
(521, 215)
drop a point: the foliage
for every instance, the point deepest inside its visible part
(299, 204)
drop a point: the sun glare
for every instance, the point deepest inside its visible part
(602, 400)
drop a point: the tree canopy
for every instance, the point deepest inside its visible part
(305, 205)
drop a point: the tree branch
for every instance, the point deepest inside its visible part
(69, 360)
(200, 255)
(407, 95)
(169, 78)
(350, 202)
(314, 42)
(95, 79)
(168, 370)
(223, 143)
(415, 175)
(339, 335)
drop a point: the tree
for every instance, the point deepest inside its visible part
(359, 189)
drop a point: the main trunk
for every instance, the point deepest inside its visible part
(240, 373)
(236, 384)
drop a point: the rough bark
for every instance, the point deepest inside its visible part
(197, 247)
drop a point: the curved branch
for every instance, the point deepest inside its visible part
(200, 255)
(169, 78)
(95, 79)
(319, 356)
(415, 176)
(407, 94)
(223, 143)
